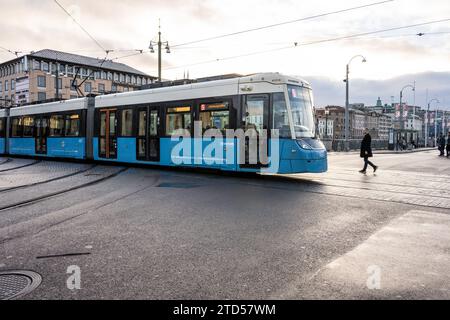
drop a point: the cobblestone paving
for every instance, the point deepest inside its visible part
(38, 172)
(409, 187)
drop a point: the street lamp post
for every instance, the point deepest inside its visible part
(427, 120)
(347, 103)
(435, 126)
(159, 43)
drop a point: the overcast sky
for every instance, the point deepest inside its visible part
(397, 56)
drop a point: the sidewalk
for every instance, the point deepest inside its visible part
(383, 151)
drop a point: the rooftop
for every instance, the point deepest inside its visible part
(85, 61)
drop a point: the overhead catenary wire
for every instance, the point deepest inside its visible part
(283, 23)
(81, 27)
(16, 53)
(297, 44)
(263, 27)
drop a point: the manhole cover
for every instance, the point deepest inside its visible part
(14, 284)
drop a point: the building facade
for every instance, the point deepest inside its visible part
(47, 74)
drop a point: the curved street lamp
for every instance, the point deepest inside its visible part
(347, 103)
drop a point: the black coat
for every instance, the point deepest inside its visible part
(366, 146)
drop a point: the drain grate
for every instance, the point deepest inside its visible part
(14, 284)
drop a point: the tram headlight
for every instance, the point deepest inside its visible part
(304, 145)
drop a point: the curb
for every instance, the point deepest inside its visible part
(383, 151)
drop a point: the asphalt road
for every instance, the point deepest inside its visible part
(139, 233)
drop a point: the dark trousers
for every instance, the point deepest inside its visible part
(367, 162)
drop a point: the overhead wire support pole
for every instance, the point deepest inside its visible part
(159, 43)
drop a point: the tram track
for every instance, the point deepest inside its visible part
(40, 198)
(22, 166)
(49, 180)
(6, 161)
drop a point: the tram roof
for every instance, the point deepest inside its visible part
(222, 87)
(64, 105)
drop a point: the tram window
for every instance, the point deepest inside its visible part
(103, 124)
(127, 123)
(142, 123)
(215, 116)
(178, 118)
(254, 114)
(16, 126)
(56, 125)
(72, 125)
(2, 128)
(28, 125)
(280, 115)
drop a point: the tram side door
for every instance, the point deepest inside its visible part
(148, 138)
(41, 129)
(108, 134)
(255, 117)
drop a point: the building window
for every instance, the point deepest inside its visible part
(110, 76)
(113, 88)
(42, 96)
(127, 123)
(62, 68)
(122, 78)
(1, 87)
(133, 80)
(116, 77)
(101, 88)
(6, 86)
(87, 87)
(13, 85)
(103, 75)
(128, 79)
(70, 70)
(45, 67)
(41, 81)
(36, 65)
(97, 75)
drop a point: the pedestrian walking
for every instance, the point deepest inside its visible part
(448, 145)
(366, 152)
(441, 145)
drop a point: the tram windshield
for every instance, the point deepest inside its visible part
(302, 111)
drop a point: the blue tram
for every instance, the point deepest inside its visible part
(56, 130)
(144, 127)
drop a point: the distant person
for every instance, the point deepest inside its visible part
(441, 144)
(366, 152)
(448, 145)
